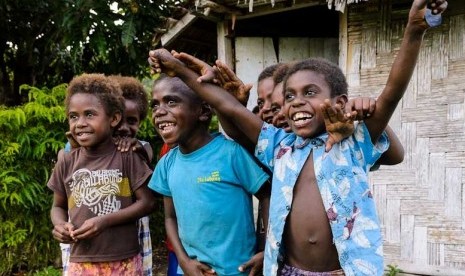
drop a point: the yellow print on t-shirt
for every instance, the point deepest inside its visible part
(213, 177)
(97, 190)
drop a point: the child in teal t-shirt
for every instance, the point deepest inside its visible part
(207, 182)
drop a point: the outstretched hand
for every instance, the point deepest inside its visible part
(206, 72)
(339, 125)
(231, 83)
(161, 60)
(255, 264)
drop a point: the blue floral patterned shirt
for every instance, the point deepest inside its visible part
(343, 183)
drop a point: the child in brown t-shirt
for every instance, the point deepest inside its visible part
(102, 189)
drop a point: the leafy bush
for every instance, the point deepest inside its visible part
(31, 135)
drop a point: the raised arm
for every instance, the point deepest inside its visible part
(364, 107)
(395, 153)
(231, 83)
(218, 98)
(403, 66)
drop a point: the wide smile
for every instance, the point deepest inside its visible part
(165, 127)
(301, 119)
(83, 135)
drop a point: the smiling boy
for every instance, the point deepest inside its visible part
(323, 218)
(207, 182)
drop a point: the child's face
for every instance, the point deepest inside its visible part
(277, 101)
(88, 122)
(174, 114)
(131, 122)
(304, 93)
(264, 91)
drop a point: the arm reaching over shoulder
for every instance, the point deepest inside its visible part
(231, 83)
(364, 107)
(395, 153)
(403, 66)
(218, 98)
(225, 78)
(206, 72)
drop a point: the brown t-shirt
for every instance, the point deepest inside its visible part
(97, 184)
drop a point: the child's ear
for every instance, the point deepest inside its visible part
(342, 100)
(205, 112)
(116, 119)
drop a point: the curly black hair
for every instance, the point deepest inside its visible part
(133, 90)
(332, 73)
(105, 89)
(268, 72)
(178, 85)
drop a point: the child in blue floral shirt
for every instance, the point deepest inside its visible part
(323, 218)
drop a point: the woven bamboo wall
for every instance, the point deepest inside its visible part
(421, 202)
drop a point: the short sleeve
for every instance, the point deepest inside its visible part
(371, 152)
(269, 137)
(137, 170)
(56, 181)
(247, 170)
(159, 181)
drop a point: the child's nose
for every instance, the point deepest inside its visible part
(298, 101)
(160, 111)
(81, 122)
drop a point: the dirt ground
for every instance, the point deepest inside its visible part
(160, 260)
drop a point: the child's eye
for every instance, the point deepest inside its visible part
(72, 117)
(275, 109)
(89, 115)
(288, 96)
(310, 92)
(260, 104)
(154, 105)
(132, 121)
(171, 102)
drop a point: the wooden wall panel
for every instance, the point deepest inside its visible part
(253, 54)
(421, 202)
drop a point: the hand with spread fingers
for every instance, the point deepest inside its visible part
(207, 73)
(339, 125)
(231, 83)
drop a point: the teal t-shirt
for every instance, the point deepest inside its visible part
(212, 190)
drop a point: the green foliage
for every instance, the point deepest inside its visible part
(48, 271)
(393, 270)
(53, 40)
(30, 137)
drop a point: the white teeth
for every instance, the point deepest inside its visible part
(301, 115)
(164, 125)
